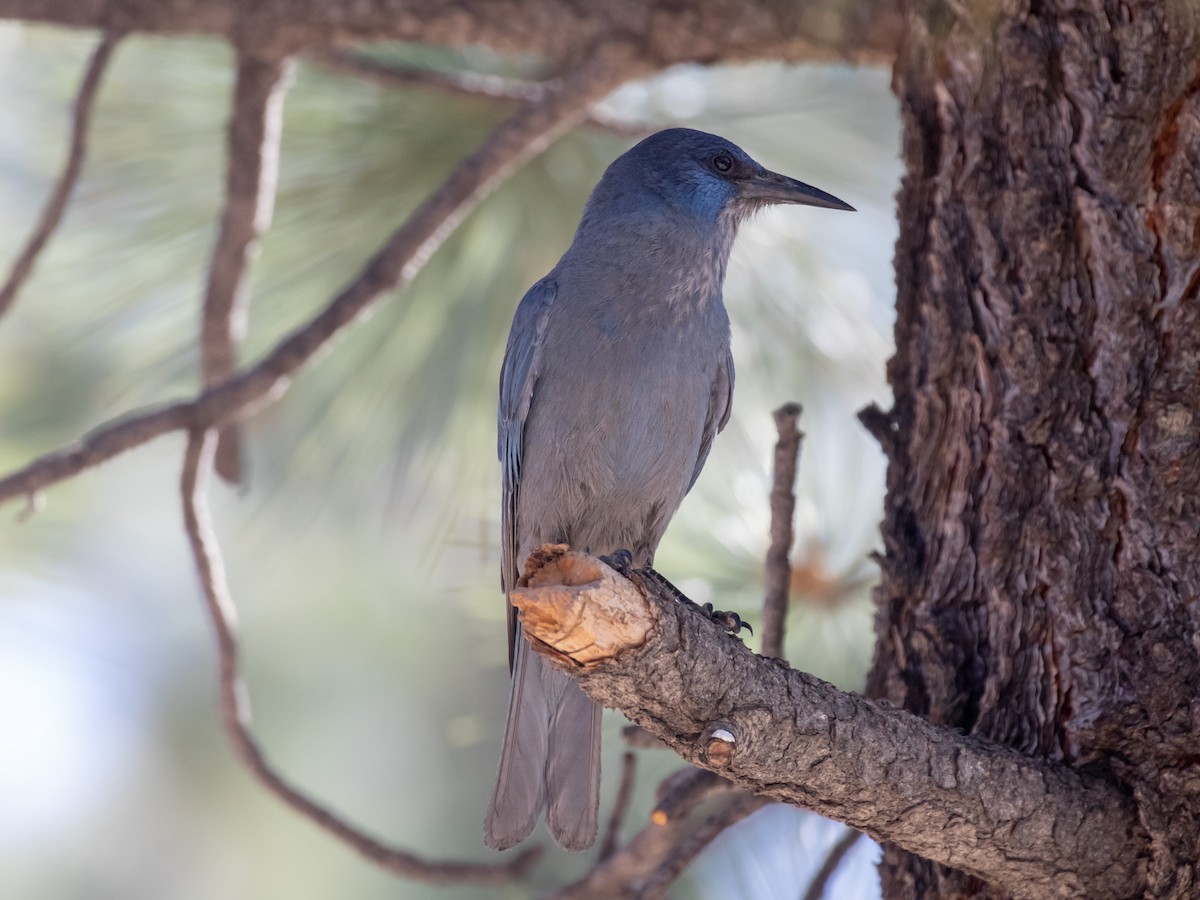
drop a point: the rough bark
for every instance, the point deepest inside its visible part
(1041, 580)
(788, 736)
(685, 30)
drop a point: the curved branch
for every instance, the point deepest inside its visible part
(524, 134)
(235, 707)
(684, 31)
(252, 166)
(950, 797)
(57, 204)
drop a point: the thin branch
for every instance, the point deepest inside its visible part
(466, 84)
(671, 825)
(235, 706)
(470, 84)
(252, 168)
(950, 797)
(613, 833)
(683, 790)
(833, 859)
(524, 134)
(56, 205)
(778, 576)
(737, 809)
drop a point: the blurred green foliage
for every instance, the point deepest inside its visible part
(363, 553)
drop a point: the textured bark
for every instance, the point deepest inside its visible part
(1041, 579)
(788, 736)
(684, 30)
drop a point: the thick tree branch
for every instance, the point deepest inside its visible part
(521, 136)
(235, 706)
(252, 167)
(950, 797)
(685, 31)
(56, 205)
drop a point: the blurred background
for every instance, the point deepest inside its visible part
(363, 552)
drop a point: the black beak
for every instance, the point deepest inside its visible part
(770, 187)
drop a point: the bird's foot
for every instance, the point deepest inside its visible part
(621, 561)
(727, 619)
(730, 621)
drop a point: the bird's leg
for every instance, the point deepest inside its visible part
(730, 621)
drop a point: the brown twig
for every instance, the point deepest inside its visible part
(252, 162)
(56, 205)
(683, 790)
(639, 737)
(397, 75)
(469, 84)
(620, 806)
(833, 859)
(778, 575)
(519, 137)
(235, 709)
(737, 809)
(617, 874)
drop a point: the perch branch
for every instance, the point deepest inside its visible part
(56, 205)
(235, 707)
(252, 166)
(952, 798)
(778, 575)
(524, 134)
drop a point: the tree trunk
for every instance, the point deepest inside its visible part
(1041, 585)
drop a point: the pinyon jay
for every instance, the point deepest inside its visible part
(617, 377)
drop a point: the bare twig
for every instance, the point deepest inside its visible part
(620, 806)
(396, 75)
(736, 809)
(778, 576)
(235, 708)
(252, 166)
(833, 859)
(469, 84)
(671, 825)
(683, 790)
(637, 736)
(521, 136)
(52, 214)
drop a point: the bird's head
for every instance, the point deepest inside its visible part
(701, 176)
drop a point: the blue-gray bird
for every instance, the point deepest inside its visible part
(617, 377)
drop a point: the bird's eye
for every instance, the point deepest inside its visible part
(722, 162)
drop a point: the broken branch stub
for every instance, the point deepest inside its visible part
(580, 607)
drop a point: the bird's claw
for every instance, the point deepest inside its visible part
(728, 620)
(621, 561)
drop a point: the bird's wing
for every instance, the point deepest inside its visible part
(518, 375)
(720, 405)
